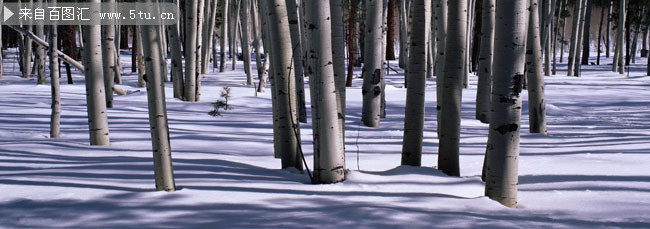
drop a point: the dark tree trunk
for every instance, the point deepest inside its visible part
(476, 43)
(134, 51)
(390, 36)
(585, 36)
(351, 57)
(600, 30)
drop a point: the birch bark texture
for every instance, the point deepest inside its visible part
(40, 50)
(285, 85)
(245, 45)
(503, 138)
(224, 35)
(534, 77)
(484, 87)
(372, 64)
(162, 154)
(95, 96)
(177, 58)
(338, 55)
(452, 85)
(329, 158)
(108, 56)
(55, 118)
(190, 50)
(417, 65)
(297, 46)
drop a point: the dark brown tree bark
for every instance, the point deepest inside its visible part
(390, 35)
(585, 38)
(351, 32)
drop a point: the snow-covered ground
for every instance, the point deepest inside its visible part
(591, 170)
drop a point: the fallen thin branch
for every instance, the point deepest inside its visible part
(41, 42)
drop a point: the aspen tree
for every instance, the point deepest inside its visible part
(40, 50)
(190, 50)
(535, 79)
(95, 96)
(338, 55)
(329, 158)
(245, 46)
(484, 89)
(177, 58)
(619, 37)
(285, 85)
(573, 47)
(55, 118)
(224, 35)
(108, 56)
(577, 54)
(503, 138)
(296, 44)
(450, 104)
(414, 111)
(372, 64)
(162, 158)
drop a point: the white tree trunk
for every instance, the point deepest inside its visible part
(140, 59)
(55, 118)
(535, 79)
(619, 38)
(208, 35)
(577, 56)
(261, 72)
(199, 43)
(40, 50)
(338, 55)
(414, 114)
(329, 158)
(224, 35)
(244, 12)
(372, 64)
(177, 58)
(503, 138)
(233, 42)
(27, 52)
(441, 34)
(285, 85)
(296, 44)
(484, 89)
(95, 96)
(450, 105)
(190, 50)
(162, 154)
(108, 57)
(573, 48)
(403, 34)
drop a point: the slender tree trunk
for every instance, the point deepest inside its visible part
(577, 54)
(548, 30)
(585, 37)
(351, 39)
(55, 118)
(162, 157)
(403, 35)
(441, 34)
(234, 51)
(503, 138)
(27, 52)
(535, 79)
(484, 89)
(197, 53)
(608, 28)
(95, 96)
(338, 54)
(134, 50)
(621, 31)
(285, 85)
(207, 47)
(261, 72)
(40, 50)
(557, 34)
(224, 35)
(573, 48)
(190, 50)
(108, 57)
(177, 58)
(476, 36)
(450, 105)
(329, 158)
(600, 31)
(372, 64)
(390, 37)
(414, 114)
(140, 59)
(246, 54)
(467, 63)
(563, 41)
(294, 26)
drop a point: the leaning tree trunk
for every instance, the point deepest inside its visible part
(338, 55)
(294, 27)
(246, 54)
(372, 64)
(450, 104)
(285, 85)
(224, 35)
(108, 56)
(414, 112)
(535, 79)
(162, 157)
(503, 138)
(574, 37)
(190, 50)
(55, 118)
(329, 157)
(484, 89)
(95, 96)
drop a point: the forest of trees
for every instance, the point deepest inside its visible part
(288, 45)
